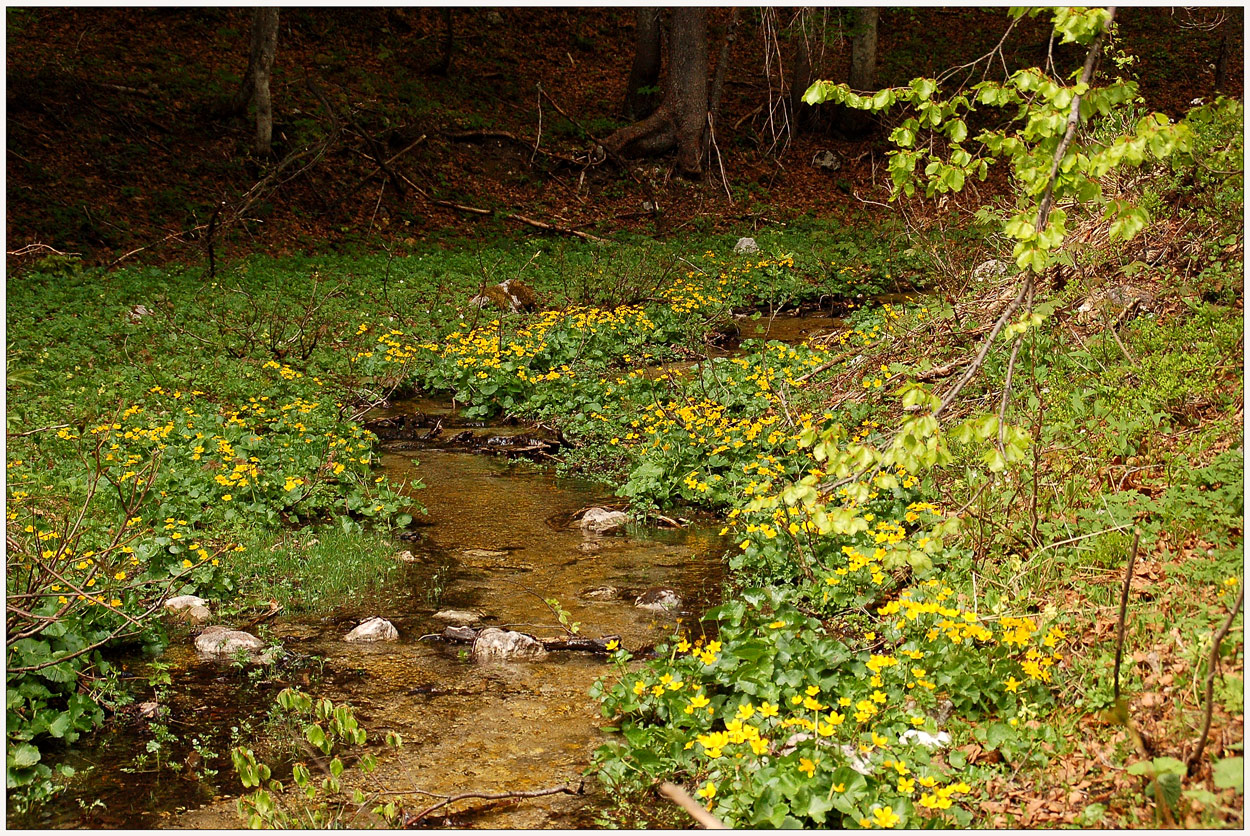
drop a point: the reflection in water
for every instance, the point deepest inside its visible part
(495, 542)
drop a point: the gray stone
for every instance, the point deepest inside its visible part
(603, 520)
(602, 593)
(373, 630)
(458, 616)
(406, 557)
(827, 160)
(1113, 302)
(493, 643)
(991, 269)
(224, 642)
(189, 608)
(151, 709)
(932, 741)
(659, 599)
(746, 245)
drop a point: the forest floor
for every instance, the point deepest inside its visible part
(115, 151)
(332, 288)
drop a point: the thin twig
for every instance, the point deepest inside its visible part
(683, 800)
(1119, 638)
(1212, 665)
(411, 820)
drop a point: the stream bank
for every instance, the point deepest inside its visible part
(499, 538)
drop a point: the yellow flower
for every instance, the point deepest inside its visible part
(807, 766)
(697, 701)
(884, 817)
(906, 786)
(767, 709)
(708, 791)
(1012, 684)
(613, 645)
(227, 498)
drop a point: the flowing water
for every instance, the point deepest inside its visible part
(497, 540)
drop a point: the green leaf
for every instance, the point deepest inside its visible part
(1229, 773)
(315, 735)
(25, 755)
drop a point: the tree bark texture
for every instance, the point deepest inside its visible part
(681, 119)
(443, 65)
(264, 45)
(688, 79)
(645, 72)
(856, 123)
(800, 113)
(722, 65)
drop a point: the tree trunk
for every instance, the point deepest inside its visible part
(264, 45)
(856, 123)
(681, 119)
(722, 65)
(800, 80)
(645, 72)
(688, 82)
(443, 66)
(1221, 61)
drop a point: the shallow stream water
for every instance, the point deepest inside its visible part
(497, 540)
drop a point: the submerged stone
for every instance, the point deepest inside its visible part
(659, 599)
(493, 643)
(374, 629)
(458, 616)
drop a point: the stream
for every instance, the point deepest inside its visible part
(499, 537)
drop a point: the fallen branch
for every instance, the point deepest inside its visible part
(1212, 665)
(31, 249)
(475, 210)
(683, 800)
(825, 366)
(489, 796)
(943, 371)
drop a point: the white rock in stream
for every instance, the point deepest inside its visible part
(659, 599)
(190, 608)
(222, 641)
(458, 616)
(603, 520)
(493, 643)
(374, 629)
